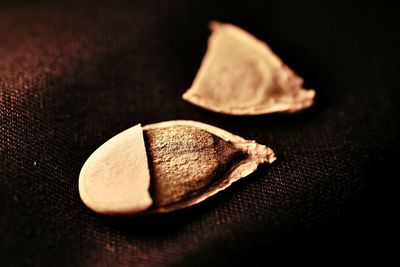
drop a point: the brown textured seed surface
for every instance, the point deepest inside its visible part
(228, 158)
(240, 75)
(184, 160)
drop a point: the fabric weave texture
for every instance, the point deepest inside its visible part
(73, 74)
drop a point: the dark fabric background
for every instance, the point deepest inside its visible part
(74, 74)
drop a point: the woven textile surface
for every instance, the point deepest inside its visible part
(73, 74)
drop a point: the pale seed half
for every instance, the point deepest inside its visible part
(115, 179)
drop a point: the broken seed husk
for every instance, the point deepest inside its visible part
(233, 158)
(188, 162)
(184, 160)
(240, 75)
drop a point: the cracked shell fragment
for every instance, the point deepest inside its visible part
(166, 166)
(240, 75)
